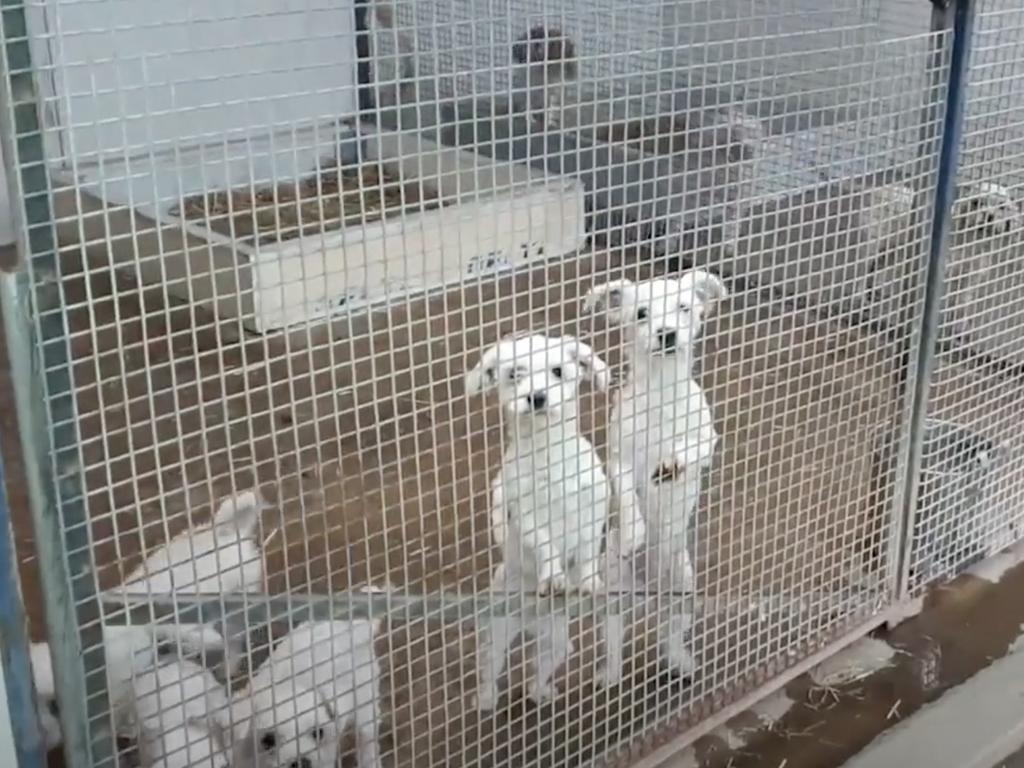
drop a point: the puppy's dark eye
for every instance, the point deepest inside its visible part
(641, 314)
(557, 371)
(318, 734)
(684, 308)
(268, 741)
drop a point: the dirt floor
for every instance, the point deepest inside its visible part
(378, 466)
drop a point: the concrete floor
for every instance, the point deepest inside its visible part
(868, 708)
(973, 725)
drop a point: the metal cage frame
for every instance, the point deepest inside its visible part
(41, 364)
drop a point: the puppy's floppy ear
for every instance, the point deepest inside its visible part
(609, 298)
(484, 375)
(594, 368)
(707, 286)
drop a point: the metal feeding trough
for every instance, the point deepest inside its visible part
(953, 525)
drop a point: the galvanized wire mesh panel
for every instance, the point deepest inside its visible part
(970, 498)
(283, 270)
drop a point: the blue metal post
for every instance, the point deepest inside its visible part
(39, 349)
(958, 15)
(28, 744)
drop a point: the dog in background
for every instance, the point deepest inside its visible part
(543, 66)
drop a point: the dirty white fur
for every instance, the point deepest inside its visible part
(661, 438)
(549, 502)
(223, 556)
(180, 713)
(129, 651)
(320, 679)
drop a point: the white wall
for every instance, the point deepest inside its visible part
(134, 76)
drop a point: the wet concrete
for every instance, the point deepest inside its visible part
(965, 626)
(1016, 760)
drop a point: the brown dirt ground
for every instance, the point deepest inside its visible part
(379, 466)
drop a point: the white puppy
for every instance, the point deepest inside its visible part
(222, 556)
(549, 502)
(321, 678)
(180, 713)
(129, 651)
(661, 436)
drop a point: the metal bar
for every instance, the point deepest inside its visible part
(208, 608)
(38, 346)
(896, 447)
(29, 750)
(961, 18)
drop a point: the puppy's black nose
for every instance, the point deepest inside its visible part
(668, 338)
(537, 400)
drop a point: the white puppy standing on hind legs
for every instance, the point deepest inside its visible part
(661, 438)
(549, 502)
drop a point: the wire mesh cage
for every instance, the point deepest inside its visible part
(977, 370)
(470, 383)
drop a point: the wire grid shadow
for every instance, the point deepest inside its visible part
(969, 506)
(289, 236)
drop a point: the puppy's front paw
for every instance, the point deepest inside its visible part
(541, 693)
(591, 584)
(676, 649)
(683, 575)
(552, 585)
(669, 471)
(608, 675)
(485, 698)
(680, 662)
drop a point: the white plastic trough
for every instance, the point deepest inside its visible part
(497, 216)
